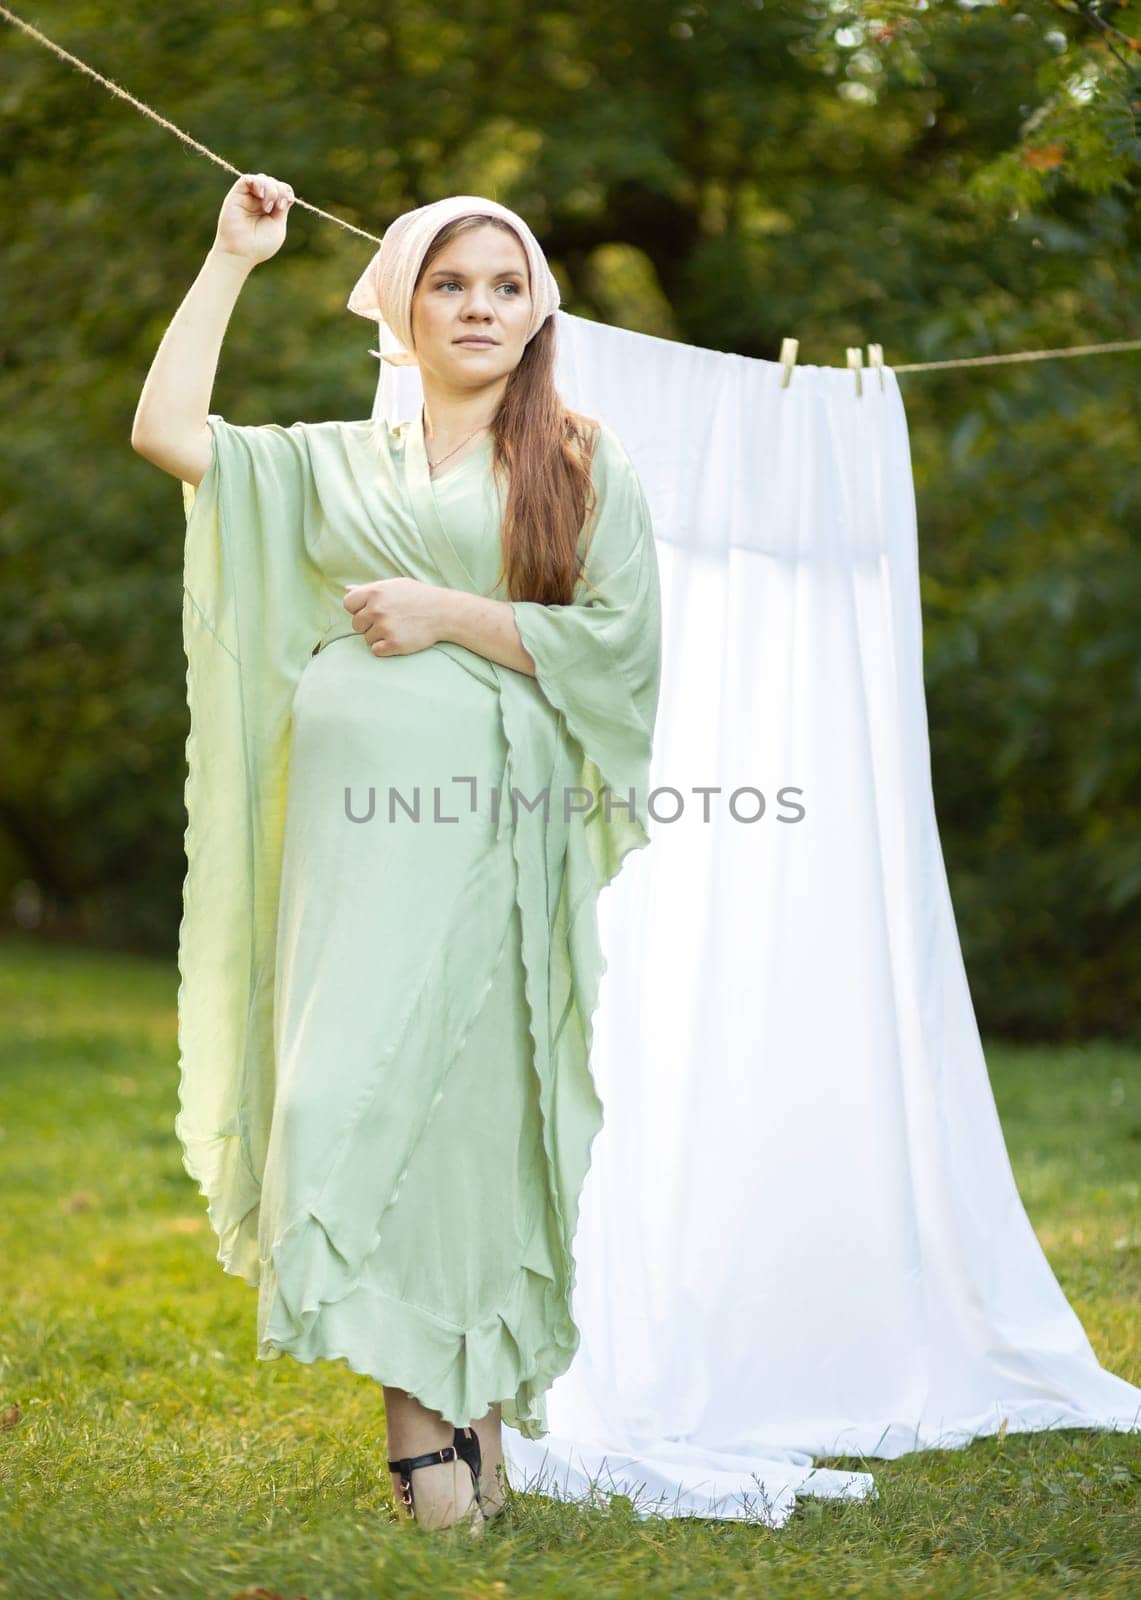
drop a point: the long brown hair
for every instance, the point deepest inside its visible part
(543, 450)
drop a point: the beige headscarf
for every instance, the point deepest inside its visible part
(384, 289)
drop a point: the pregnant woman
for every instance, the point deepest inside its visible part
(423, 665)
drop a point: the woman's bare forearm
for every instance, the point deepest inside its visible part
(483, 625)
(175, 399)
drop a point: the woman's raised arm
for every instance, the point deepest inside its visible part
(170, 427)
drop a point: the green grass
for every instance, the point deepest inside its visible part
(153, 1456)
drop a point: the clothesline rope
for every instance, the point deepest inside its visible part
(1019, 355)
(179, 133)
(149, 111)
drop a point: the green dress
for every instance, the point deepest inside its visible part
(389, 956)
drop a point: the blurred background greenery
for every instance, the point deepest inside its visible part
(943, 179)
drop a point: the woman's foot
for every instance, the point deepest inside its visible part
(443, 1495)
(443, 1492)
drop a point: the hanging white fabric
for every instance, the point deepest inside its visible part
(800, 1235)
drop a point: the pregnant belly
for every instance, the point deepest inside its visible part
(419, 726)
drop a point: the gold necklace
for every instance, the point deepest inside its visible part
(432, 465)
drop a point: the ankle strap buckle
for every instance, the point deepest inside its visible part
(406, 1465)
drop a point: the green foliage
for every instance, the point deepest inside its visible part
(146, 1453)
(1078, 65)
(947, 179)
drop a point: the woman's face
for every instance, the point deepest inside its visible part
(476, 287)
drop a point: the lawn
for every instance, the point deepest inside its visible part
(145, 1452)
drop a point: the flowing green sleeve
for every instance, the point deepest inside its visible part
(598, 660)
(253, 609)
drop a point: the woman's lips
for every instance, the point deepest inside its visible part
(476, 341)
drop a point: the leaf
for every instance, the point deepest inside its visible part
(1043, 158)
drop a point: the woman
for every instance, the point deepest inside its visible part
(423, 665)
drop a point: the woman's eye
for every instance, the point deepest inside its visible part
(452, 284)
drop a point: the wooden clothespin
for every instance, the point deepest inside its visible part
(788, 349)
(875, 359)
(856, 361)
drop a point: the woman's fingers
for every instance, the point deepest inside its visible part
(271, 195)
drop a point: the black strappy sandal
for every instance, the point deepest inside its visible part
(469, 1449)
(462, 1449)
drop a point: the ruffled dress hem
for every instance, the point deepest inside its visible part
(459, 1372)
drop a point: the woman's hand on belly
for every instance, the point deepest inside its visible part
(397, 616)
